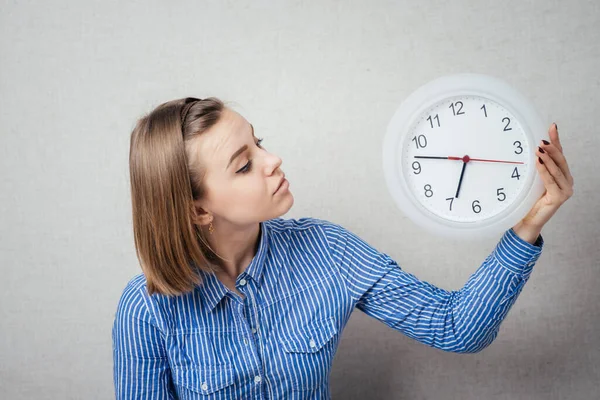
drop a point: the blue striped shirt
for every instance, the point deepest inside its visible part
(299, 290)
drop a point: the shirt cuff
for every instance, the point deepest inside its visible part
(518, 255)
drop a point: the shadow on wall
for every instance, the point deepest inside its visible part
(376, 362)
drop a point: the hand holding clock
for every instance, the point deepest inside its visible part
(558, 182)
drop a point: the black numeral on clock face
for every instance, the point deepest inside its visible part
(501, 195)
(437, 118)
(506, 128)
(428, 191)
(416, 168)
(420, 141)
(476, 207)
(516, 174)
(458, 104)
(518, 144)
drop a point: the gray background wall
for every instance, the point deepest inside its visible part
(319, 81)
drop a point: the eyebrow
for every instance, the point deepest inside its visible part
(240, 150)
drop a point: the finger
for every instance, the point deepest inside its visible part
(555, 171)
(559, 159)
(547, 179)
(553, 134)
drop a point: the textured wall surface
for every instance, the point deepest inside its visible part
(319, 81)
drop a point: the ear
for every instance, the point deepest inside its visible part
(200, 216)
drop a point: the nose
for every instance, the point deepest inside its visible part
(274, 162)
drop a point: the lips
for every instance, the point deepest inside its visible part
(280, 183)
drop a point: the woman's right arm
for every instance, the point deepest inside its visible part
(141, 369)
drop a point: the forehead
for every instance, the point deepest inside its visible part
(217, 144)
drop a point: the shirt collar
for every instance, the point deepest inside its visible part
(213, 290)
(256, 267)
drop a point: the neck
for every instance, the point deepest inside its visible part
(236, 245)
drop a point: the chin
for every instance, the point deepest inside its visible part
(286, 206)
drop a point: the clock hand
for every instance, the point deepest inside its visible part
(462, 173)
(484, 160)
(470, 159)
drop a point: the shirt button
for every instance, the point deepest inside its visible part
(243, 282)
(245, 341)
(257, 379)
(204, 386)
(312, 343)
(253, 330)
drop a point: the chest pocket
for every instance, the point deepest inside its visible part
(200, 363)
(309, 353)
(204, 382)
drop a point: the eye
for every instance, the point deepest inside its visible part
(248, 167)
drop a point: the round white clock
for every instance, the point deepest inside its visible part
(459, 156)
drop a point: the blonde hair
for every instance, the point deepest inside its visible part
(166, 177)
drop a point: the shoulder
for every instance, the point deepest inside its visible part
(317, 228)
(136, 332)
(134, 288)
(134, 298)
(291, 225)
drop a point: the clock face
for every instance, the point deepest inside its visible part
(465, 158)
(459, 156)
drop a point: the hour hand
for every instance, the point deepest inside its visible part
(462, 173)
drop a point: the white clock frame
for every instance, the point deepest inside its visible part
(433, 93)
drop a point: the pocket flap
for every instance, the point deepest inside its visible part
(204, 379)
(311, 338)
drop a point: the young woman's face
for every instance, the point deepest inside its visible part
(241, 176)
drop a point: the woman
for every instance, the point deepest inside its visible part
(235, 302)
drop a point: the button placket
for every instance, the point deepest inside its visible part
(253, 324)
(252, 313)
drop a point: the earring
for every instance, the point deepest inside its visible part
(211, 229)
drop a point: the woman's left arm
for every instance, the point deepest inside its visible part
(460, 321)
(465, 320)
(558, 181)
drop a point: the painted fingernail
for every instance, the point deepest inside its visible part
(546, 142)
(541, 150)
(541, 162)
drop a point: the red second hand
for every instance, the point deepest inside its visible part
(466, 159)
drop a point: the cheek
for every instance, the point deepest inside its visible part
(239, 195)
(246, 200)
(247, 192)
(257, 189)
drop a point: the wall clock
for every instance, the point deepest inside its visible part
(459, 156)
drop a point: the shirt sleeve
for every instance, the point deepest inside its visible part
(141, 369)
(462, 321)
